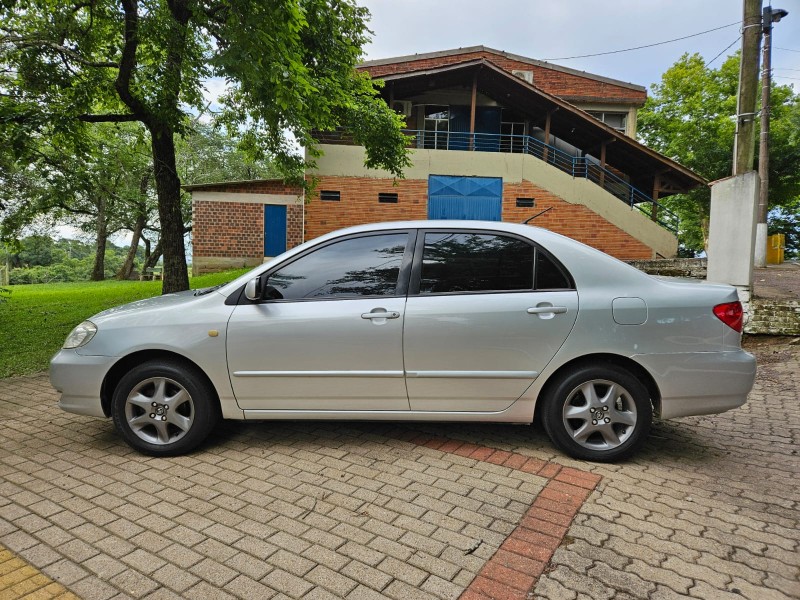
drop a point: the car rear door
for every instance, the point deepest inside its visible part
(333, 340)
(485, 314)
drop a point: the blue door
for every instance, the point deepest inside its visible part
(274, 229)
(465, 198)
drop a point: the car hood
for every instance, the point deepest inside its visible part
(140, 306)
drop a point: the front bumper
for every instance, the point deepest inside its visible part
(700, 383)
(79, 379)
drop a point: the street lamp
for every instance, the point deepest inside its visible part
(769, 16)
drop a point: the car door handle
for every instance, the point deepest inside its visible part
(539, 310)
(381, 315)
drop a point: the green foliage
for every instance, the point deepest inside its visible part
(689, 118)
(289, 65)
(35, 323)
(40, 259)
(206, 154)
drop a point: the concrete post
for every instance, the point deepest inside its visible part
(732, 232)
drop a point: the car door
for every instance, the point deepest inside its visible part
(329, 334)
(485, 314)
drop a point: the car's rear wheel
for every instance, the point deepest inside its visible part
(164, 408)
(600, 413)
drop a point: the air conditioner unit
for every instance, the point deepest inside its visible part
(526, 75)
(403, 107)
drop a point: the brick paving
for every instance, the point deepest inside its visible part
(709, 509)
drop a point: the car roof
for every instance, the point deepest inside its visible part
(584, 262)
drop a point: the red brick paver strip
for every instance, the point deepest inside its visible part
(512, 572)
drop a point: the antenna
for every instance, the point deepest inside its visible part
(526, 221)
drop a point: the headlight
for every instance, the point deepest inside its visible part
(81, 335)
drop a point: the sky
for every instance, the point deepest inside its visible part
(556, 29)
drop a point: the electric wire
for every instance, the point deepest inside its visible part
(685, 37)
(723, 52)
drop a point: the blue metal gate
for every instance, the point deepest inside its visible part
(479, 198)
(274, 229)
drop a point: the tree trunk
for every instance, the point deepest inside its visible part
(127, 268)
(98, 271)
(168, 190)
(151, 259)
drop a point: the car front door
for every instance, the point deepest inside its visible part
(328, 335)
(485, 314)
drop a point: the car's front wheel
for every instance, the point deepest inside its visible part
(164, 408)
(600, 413)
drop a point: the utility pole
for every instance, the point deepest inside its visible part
(745, 140)
(769, 17)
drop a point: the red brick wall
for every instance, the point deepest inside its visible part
(550, 80)
(573, 220)
(359, 204)
(294, 225)
(230, 229)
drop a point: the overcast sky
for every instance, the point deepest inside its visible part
(554, 29)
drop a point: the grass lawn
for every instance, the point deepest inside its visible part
(36, 319)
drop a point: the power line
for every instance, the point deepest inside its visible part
(784, 77)
(723, 52)
(686, 37)
(787, 49)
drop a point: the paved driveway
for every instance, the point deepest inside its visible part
(332, 510)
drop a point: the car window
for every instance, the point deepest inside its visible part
(362, 266)
(471, 262)
(549, 276)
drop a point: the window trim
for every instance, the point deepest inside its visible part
(403, 275)
(416, 268)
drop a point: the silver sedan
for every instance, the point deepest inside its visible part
(417, 321)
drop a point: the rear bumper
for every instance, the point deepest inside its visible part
(701, 383)
(79, 379)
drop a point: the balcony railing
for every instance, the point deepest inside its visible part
(576, 166)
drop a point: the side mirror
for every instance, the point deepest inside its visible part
(253, 291)
(258, 289)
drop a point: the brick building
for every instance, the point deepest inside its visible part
(495, 136)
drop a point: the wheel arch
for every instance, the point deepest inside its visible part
(125, 364)
(628, 364)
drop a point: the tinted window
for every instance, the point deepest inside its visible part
(468, 262)
(548, 275)
(364, 266)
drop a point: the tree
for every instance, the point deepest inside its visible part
(689, 118)
(288, 63)
(91, 185)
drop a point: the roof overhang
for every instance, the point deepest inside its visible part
(567, 122)
(516, 57)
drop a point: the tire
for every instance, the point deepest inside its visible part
(577, 398)
(164, 408)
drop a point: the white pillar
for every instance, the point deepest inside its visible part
(732, 232)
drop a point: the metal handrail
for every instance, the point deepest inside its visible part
(576, 166)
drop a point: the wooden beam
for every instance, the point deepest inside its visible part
(472, 111)
(603, 145)
(546, 150)
(656, 190)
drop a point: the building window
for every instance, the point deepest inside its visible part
(525, 202)
(617, 120)
(437, 127)
(329, 196)
(387, 198)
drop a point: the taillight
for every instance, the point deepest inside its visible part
(731, 314)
